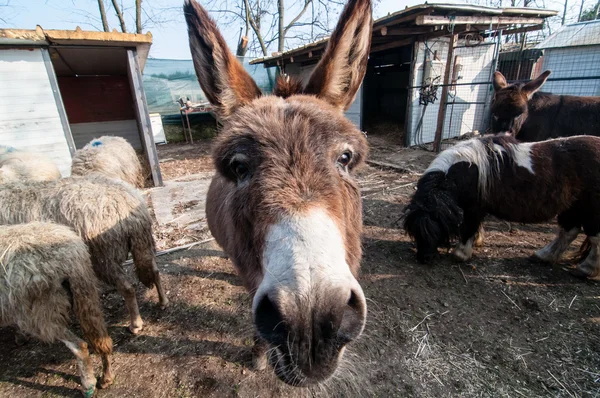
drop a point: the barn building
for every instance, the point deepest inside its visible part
(430, 68)
(62, 88)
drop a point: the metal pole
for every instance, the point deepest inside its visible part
(442, 110)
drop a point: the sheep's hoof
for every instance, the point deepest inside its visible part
(164, 303)
(89, 392)
(105, 381)
(135, 329)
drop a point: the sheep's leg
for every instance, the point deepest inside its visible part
(107, 374)
(128, 292)
(162, 297)
(86, 370)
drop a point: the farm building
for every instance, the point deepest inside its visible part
(61, 88)
(573, 55)
(430, 68)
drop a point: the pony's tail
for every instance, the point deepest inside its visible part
(86, 305)
(143, 249)
(583, 252)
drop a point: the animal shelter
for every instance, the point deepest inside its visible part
(62, 88)
(430, 69)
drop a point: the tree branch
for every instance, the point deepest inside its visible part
(119, 15)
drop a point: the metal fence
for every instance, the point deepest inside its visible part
(452, 90)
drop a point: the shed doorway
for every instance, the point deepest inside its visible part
(385, 95)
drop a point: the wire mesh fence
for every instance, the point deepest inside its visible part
(572, 54)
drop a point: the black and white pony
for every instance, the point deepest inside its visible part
(520, 182)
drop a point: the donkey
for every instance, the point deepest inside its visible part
(531, 116)
(520, 182)
(284, 204)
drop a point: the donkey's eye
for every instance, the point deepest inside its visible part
(240, 170)
(345, 159)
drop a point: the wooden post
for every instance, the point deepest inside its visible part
(143, 117)
(437, 143)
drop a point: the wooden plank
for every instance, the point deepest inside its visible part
(442, 109)
(60, 106)
(405, 31)
(517, 30)
(475, 20)
(143, 116)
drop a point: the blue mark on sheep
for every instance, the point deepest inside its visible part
(96, 143)
(8, 149)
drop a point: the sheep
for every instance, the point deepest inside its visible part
(44, 268)
(18, 165)
(110, 156)
(109, 215)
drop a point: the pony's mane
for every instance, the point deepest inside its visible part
(487, 153)
(286, 86)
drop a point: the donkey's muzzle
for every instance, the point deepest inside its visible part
(307, 335)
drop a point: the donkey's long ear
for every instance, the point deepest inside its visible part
(223, 79)
(534, 85)
(499, 81)
(339, 74)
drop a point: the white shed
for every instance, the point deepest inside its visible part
(60, 89)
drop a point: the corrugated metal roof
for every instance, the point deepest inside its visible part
(577, 34)
(442, 8)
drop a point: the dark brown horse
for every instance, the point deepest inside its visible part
(533, 116)
(521, 182)
(284, 204)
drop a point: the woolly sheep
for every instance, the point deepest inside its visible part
(44, 265)
(18, 165)
(109, 215)
(112, 157)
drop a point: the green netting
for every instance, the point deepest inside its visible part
(166, 80)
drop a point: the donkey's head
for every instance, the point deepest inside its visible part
(284, 179)
(509, 107)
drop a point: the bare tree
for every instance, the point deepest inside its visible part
(103, 16)
(138, 16)
(119, 15)
(271, 24)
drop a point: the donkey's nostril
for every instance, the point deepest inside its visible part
(269, 321)
(353, 320)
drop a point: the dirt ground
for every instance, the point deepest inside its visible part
(496, 326)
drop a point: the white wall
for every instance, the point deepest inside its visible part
(462, 116)
(29, 116)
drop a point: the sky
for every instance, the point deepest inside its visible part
(170, 36)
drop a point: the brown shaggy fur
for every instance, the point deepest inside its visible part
(110, 216)
(18, 165)
(533, 116)
(43, 267)
(112, 157)
(289, 148)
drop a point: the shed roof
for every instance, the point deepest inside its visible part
(577, 34)
(79, 38)
(402, 27)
